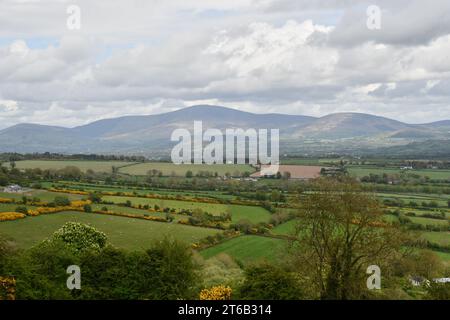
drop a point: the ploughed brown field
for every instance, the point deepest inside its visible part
(296, 171)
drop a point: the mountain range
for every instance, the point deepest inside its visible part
(150, 134)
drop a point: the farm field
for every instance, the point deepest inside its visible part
(441, 238)
(251, 213)
(96, 166)
(285, 228)
(428, 221)
(11, 207)
(361, 171)
(139, 191)
(247, 249)
(43, 195)
(180, 170)
(122, 232)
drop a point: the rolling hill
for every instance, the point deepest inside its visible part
(150, 134)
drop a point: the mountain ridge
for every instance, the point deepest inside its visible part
(151, 133)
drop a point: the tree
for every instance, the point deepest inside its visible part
(22, 209)
(80, 236)
(269, 282)
(87, 208)
(438, 291)
(168, 272)
(61, 201)
(189, 174)
(339, 233)
(95, 197)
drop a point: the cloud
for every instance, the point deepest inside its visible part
(300, 57)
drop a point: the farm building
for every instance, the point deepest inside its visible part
(14, 188)
(294, 172)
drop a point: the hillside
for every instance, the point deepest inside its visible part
(150, 134)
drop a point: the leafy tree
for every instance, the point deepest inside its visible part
(168, 272)
(22, 209)
(189, 174)
(340, 232)
(80, 236)
(40, 272)
(438, 291)
(269, 282)
(5, 251)
(95, 197)
(61, 201)
(87, 208)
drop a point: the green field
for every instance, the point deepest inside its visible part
(43, 195)
(361, 171)
(445, 256)
(286, 228)
(441, 238)
(122, 232)
(180, 170)
(428, 221)
(251, 213)
(139, 191)
(97, 166)
(247, 249)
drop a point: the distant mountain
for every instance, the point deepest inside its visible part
(150, 134)
(416, 150)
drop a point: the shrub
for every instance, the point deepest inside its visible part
(61, 201)
(269, 282)
(9, 216)
(80, 236)
(216, 293)
(22, 209)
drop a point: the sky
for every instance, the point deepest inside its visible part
(309, 57)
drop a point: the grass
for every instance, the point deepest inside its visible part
(361, 171)
(445, 256)
(238, 212)
(247, 249)
(98, 166)
(441, 238)
(11, 207)
(180, 170)
(140, 191)
(429, 221)
(127, 233)
(43, 195)
(286, 228)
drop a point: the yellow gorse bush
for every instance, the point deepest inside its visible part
(6, 200)
(9, 216)
(216, 293)
(83, 193)
(7, 288)
(80, 203)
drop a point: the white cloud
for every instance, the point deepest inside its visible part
(141, 57)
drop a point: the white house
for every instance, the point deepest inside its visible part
(14, 188)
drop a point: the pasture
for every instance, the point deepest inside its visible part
(96, 166)
(169, 169)
(238, 212)
(127, 233)
(247, 249)
(361, 171)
